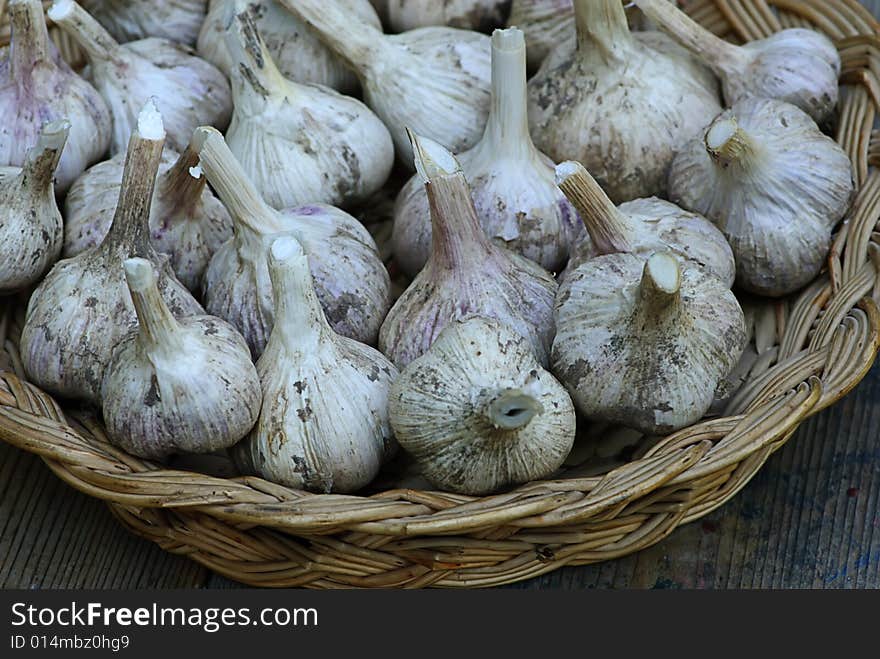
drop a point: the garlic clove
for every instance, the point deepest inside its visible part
(480, 15)
(300, 143)
(37, 87)
(82, 309)
(352, 283)
(465, 273)
(645, 344)
(478, 413)
(30, 222)
(796, 65)
(642, 227)
(622, 103)
(433, 80)
(129, 20)
(774, 184)
(177, 386)
(324, 421)
(190, 91)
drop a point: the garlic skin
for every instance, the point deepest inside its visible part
(30, 222)
(774, 184)
(546, 23)
(622, 104)
(796, 65)
(350, 279)
(478, 413)
(190, 91)
(129, 20)
(433, 80)
(479, 15)
(37, 87)
(642, 227)
(172, 386)
(187, 222)
(324, 422)
(82, 309)
(299, 55)
(645, 344)
(300, 143)
(512, 183)
(466, 273)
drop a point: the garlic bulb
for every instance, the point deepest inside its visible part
(298, 53)
(82, 309)
(351, 281)
(774, 184)
(187, 222)
(465, 273)
(642, 227)
(177, 386)
(433, 80)
(546, 23)
(190, 91)
(622, 104)
(324, 422)
(480, 15)
(478, 413)
(129, 20)
(796, 65)
(644, 343)
(512, 183)
(30, 223)
(300, 143)
(36, 87)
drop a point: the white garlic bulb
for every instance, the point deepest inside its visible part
(546, 23)
(36, 87)
(478, 413)
(645, 344)
(797, 65)
(622, 103)
(433, 80)
(324, 422)
(300, 143)
(82, 309)
(129, 20)
(480, 15)
(30, 222)
(351, 281)
(512, 183)
(190, 91)
(774, 184)
(642, 227)
(177, 386)
(299, 55)
(187, 222)
(466, 273)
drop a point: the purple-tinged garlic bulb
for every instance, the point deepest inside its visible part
(129, 20)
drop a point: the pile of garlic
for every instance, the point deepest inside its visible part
(584, 214)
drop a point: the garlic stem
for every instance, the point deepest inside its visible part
(182, 184)
(157, 325)
(602, 24)
(232, 185)
(610, 230)
(729, 144)
(507, 129)
(30, 38)
(512, 409)
(42, 160)
(252, 63)
(85, 30)
(661, 281)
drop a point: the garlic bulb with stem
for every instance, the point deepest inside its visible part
(190, 91)
(351, 281)
(177, 386)
(36, 87)
(299, 55)
(129, 20)
(622, 103)
(512, 183)
(82, 309)
(324, 422)
(480, 15)
(645, 344)
(31, 228)
(774, 184)
(642, 227)
(187, 222)
(433, 80)
(466, 273)
(478, 412)
(797, 65)
(299, 143)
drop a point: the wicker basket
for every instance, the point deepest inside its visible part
(806, 353)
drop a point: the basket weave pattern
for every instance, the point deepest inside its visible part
(822, 344)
